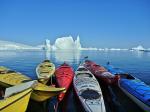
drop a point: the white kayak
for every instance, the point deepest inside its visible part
(88, 90)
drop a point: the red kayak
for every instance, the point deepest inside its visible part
(101, 73)
(64, 76)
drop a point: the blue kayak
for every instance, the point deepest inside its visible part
(133, 87)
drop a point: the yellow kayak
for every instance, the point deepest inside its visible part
(45, 70)
(40, 93)
(16, 98)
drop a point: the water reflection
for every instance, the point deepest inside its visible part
(70, 56)
(6, 54)
(138, 54)
(47, 55)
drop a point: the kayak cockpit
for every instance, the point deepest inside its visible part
(82, 69)
(81, 75)
(7, 71)
(90, 94)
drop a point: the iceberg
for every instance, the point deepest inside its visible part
(47, 46)
(67, 43)
(62, 43)
(138, 48)
(90, 49)
(5, 45)
(117, 49)
(77, 43)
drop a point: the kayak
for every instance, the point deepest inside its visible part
(101, 73)
(45, 70)
(88, 90)
(133, 87)
(16, 96)
(64, 76)
(40, 92)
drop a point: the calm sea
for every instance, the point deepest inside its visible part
(136, 63)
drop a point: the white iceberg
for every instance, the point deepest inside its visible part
(5, 45)
(101, 49)
(77, 43)
(90, 48)
(47, 45)
(117, 49)
(64, 43)
(67, 43)
(138, 48)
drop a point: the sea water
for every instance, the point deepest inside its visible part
(135, 62)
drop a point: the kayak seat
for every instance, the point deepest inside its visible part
(90, 94)
(26, 81)
(46, 61)
(8, 71)
(44, 72)
(84, 75)
(82, 69)
(2, 72)
(11, 71)
(48, 66)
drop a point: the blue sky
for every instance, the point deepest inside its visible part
(100, 23)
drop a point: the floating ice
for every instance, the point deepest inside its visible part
(64, 43)
(67, 43)
(47, 45)
(77, 43)
(138, 48)
(117, 49)
(5, 45)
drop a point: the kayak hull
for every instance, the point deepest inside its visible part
(134, 88)
(40, 93)
(88, 90)
(64, 76)
(101, 73)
